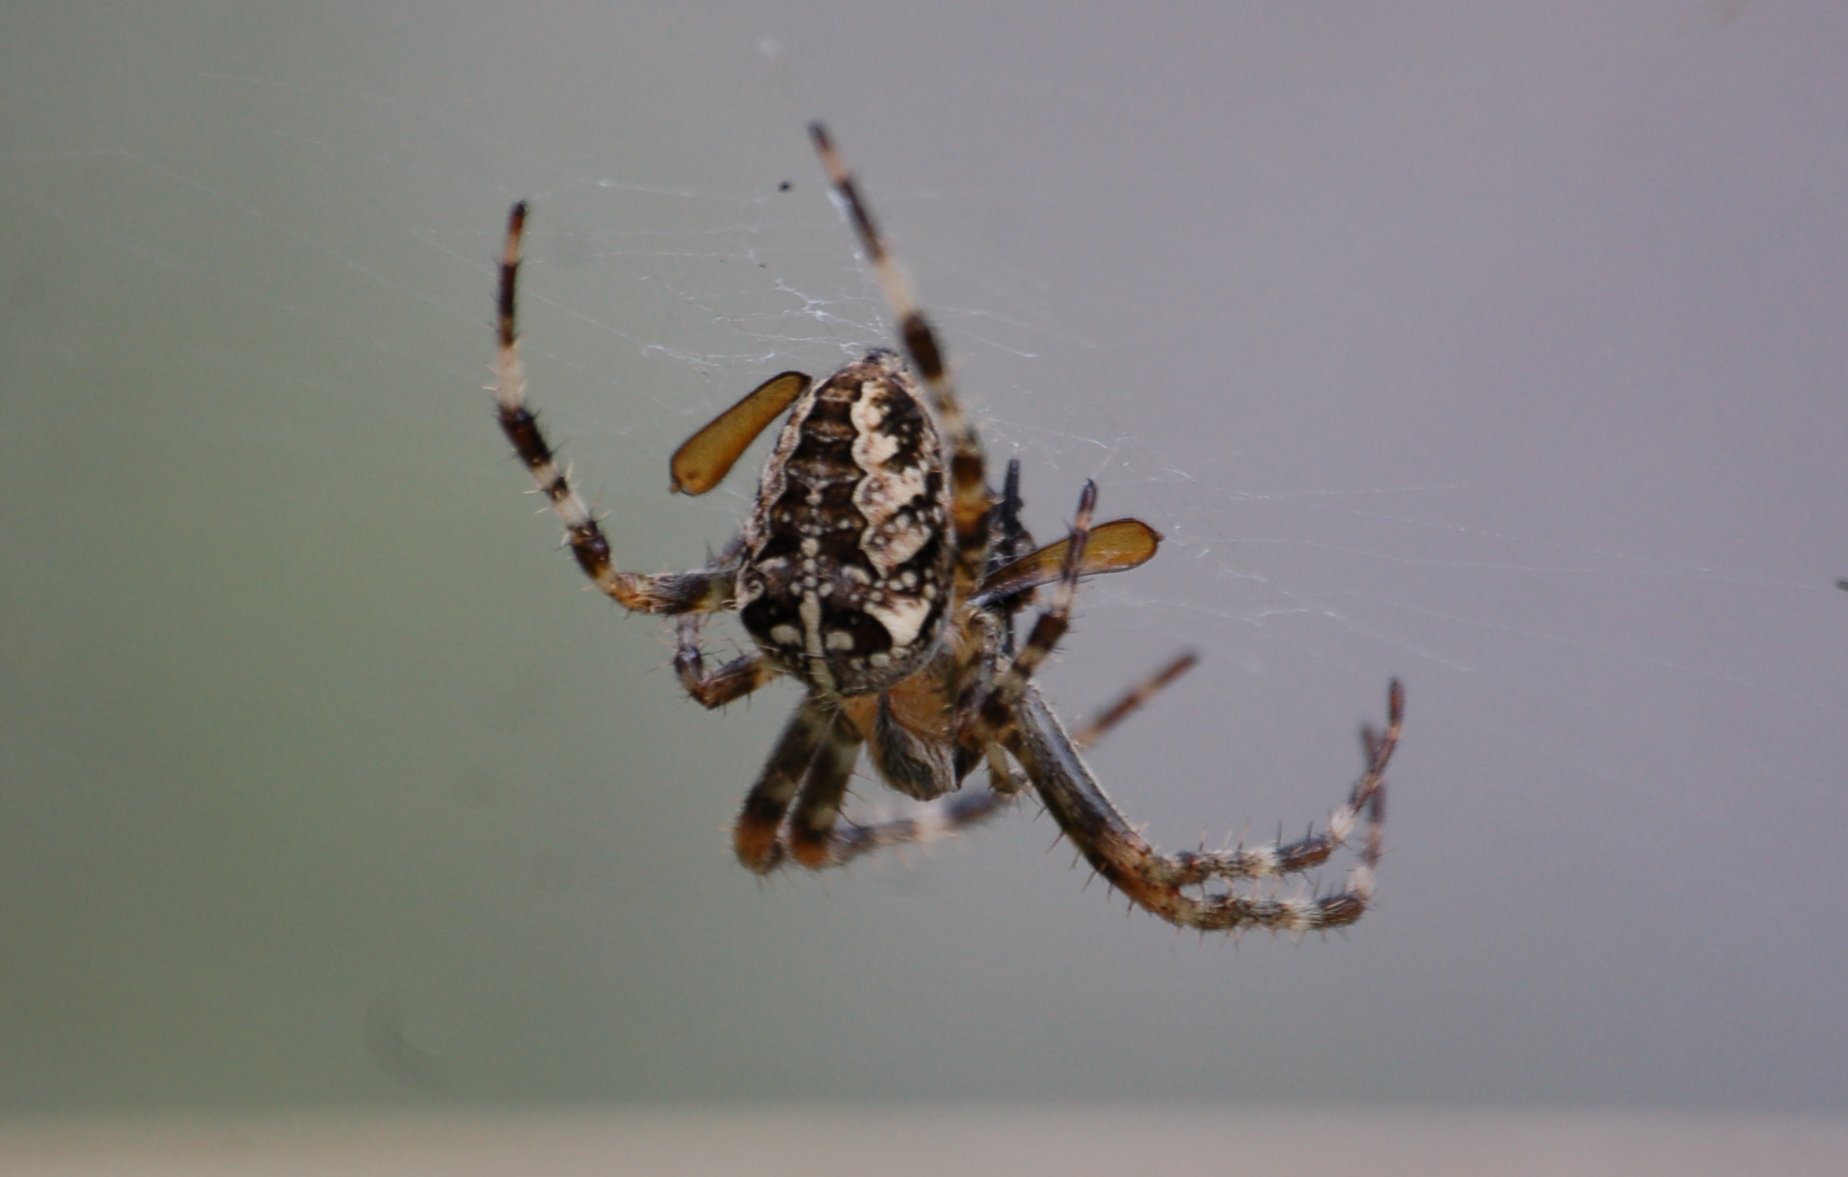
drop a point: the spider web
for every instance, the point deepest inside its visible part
(1524, 391)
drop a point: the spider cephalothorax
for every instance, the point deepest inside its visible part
(879, 569)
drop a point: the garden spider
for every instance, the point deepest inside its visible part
(878, 568)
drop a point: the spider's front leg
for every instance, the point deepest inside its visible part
(985, 709)
(756, 836)
(969, 498)
(702, 590)
(1155, 881)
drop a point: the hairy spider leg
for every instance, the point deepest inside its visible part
(723, 684)
(756, 836)
(816, 835)
(811, 837)
(1154, 881)
(1008, 541)
(702, 590)
(968, 481)
(985, 712)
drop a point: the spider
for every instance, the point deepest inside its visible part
(879, 569)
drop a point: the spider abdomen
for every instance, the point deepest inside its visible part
(846, 569)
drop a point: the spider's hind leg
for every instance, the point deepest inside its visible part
(1155, 881)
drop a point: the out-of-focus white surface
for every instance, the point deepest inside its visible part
(931, 1140)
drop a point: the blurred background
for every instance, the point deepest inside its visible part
(1497, 350)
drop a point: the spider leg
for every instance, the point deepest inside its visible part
(702, 590)
(1015, 567)
(986, 715)
(817, 837)
(968, 480)
(1134, 699)
(818, 805)
(940, 819)
(724, 684)
(1154, 881)
(1001, 778)
(1008, 542)
(1010, 539)
(754, 836)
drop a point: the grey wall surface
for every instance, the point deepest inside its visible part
(1498, 350)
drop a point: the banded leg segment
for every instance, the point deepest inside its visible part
(945, 818)
(702, 590)
(819, 840)
(1096, 727)
(968, 478)
(1154, 881)
(756, 835)
(994, 711)
(1008, 541)
(818, 806)
(815, 835)
(1133, 700)
(725, 684)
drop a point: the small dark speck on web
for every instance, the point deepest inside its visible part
(786, 185)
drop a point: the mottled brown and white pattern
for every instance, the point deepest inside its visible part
(879, 570)
(845, 570)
